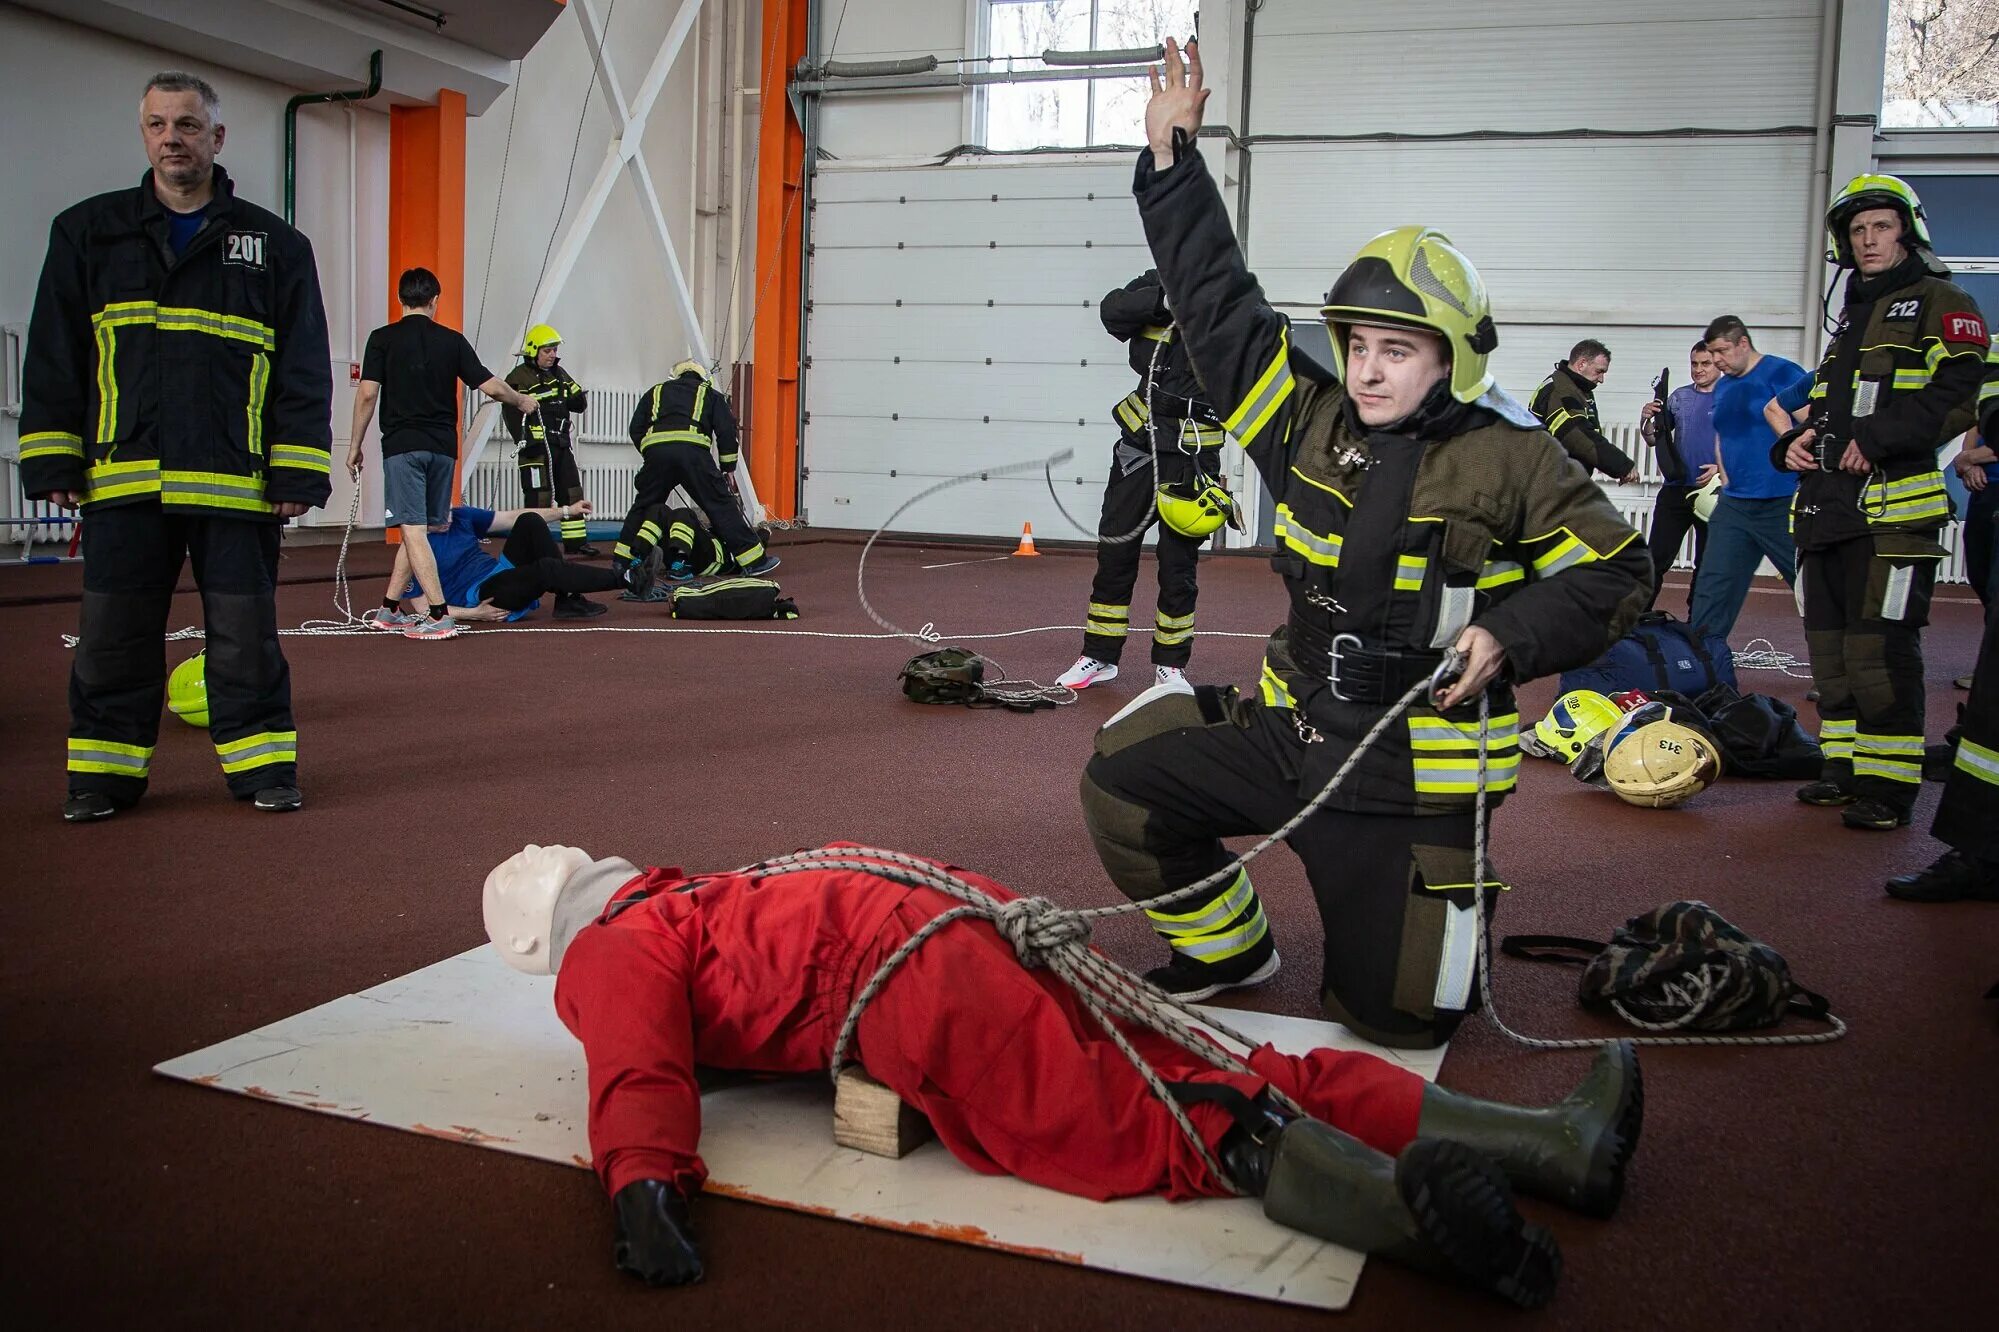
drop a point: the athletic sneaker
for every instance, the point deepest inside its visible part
(1086, 672)
(394, 621)
(1192, 981)
(1168, 675)
(278, 799)
(679, 571)
(644, 573)
(657, 592)
(1874, 815)
(427, 627)
(762, 566)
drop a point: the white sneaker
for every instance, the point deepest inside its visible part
(1086, 672)
(1168, 675)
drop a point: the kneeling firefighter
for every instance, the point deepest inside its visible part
(681, 428)
(1899, 380)
(547, 440)
(1166, 425)
(1419, 509)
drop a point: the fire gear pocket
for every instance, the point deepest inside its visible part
(1901, 578)
(1207, 705)
(1438, 959)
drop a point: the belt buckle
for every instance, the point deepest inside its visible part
(1333, 655)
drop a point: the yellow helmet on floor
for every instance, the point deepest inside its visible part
(541, 335)
(1196, 508)
(1573, 722)
(1874, 191)
(1414, 277)
(187, 691)
(1661, 764)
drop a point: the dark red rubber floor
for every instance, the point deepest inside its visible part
(1851, 1185)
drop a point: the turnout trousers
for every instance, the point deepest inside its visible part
(1171, 779)
(692, 468)
(1968, 816)
(1672, 518)
(1865, 602)
(1013, 1074)
(1128, 505)
(132, 557)
(537, 566)
(546, 483)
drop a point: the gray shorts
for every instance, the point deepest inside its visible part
(416, 489)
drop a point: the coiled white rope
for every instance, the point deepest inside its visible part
(1760, 654)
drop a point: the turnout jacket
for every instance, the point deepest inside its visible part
(1136, 314)
(686, 410)
(1566, 404)
(561, 398)
(1900, 378)
(202, 382)
(1399, 542)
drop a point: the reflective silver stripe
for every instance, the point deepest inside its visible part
(1454, 609)
(109, 758)
(1275, 385)
(1895, 596)
(1219, 911)
(1216, 947)
(1460, 954)
(1979, 761)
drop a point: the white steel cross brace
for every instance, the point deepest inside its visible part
(624, 156)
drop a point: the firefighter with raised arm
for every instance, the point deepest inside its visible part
(1419, 510)
(1898, 380)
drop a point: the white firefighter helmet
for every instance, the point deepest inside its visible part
(1661, 764)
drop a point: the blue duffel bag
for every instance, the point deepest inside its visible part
(1660, 652)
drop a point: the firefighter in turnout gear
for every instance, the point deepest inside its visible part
(1566, 404)
(1165, 422)
(1419, 509)
(1899, 378)
(687, 549)
(177, 387)
(547, 441)
(680, 428)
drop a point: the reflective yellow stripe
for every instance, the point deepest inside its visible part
(214, 490)
(674, 437)
(1314, 547)
(258, 751)
(1977, 761)
(1409, 571)
(1131, 413)
(112, 480)
(1568, 552)
(1836, 740)
(109, 756)
(1912, 379)
(1225, 944)
(1172, 630)
(1894, 770)
(1459, 776)
(187, 319)
(1911, 499)
(1212, 914)
(51, 444)
(1444, 754)
(1265, 396)
(260, 380)
(1275, 693)
(1497, 573)
(681, 532)
(303, 456)
(1440, 733)
(1561, 418)
(1158, 333)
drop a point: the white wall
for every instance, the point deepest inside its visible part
(73, 95)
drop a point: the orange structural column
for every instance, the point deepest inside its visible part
(427, 204)
(773, 441)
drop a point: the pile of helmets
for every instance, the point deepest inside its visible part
(1631, 743)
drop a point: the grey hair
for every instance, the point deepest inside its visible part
(179, 80)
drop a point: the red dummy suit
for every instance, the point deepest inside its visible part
(1016, 1078)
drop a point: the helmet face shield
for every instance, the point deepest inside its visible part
(1413, 277)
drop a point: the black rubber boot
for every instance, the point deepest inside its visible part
(1440, 1208)
(1951, 877)
(1825, 793)
(1573, 1152)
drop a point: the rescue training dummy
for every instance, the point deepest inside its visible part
(658, 972)
(1418, 509)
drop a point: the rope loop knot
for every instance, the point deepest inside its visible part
(1036, 928)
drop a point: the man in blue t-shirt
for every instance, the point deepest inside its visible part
(481, 586)
(1752, 519)
(1694, 454)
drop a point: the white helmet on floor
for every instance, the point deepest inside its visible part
(519, 903)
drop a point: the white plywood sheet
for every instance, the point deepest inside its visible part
(470, 1051)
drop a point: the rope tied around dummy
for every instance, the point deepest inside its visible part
(1045, 935)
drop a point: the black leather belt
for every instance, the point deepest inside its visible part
(1356, 672)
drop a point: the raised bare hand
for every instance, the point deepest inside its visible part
(1177, 99)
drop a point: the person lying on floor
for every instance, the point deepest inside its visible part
(674, 544)
(481, 586)
(657, 971)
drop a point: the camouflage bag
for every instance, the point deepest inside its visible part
(1679, 967)
(948, 675)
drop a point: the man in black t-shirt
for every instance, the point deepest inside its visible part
(414, 367)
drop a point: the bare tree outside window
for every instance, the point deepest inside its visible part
(1943, 64)
(1074, 114)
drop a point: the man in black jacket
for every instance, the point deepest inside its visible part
(1167, 428)
(1566, 404)
(177, 387)
(681, 427)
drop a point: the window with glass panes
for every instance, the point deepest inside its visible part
(1075, 113)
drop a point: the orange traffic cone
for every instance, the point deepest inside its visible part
(1026, 546)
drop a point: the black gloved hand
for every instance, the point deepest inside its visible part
(655, 1238)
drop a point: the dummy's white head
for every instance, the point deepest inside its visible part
(520, 899)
